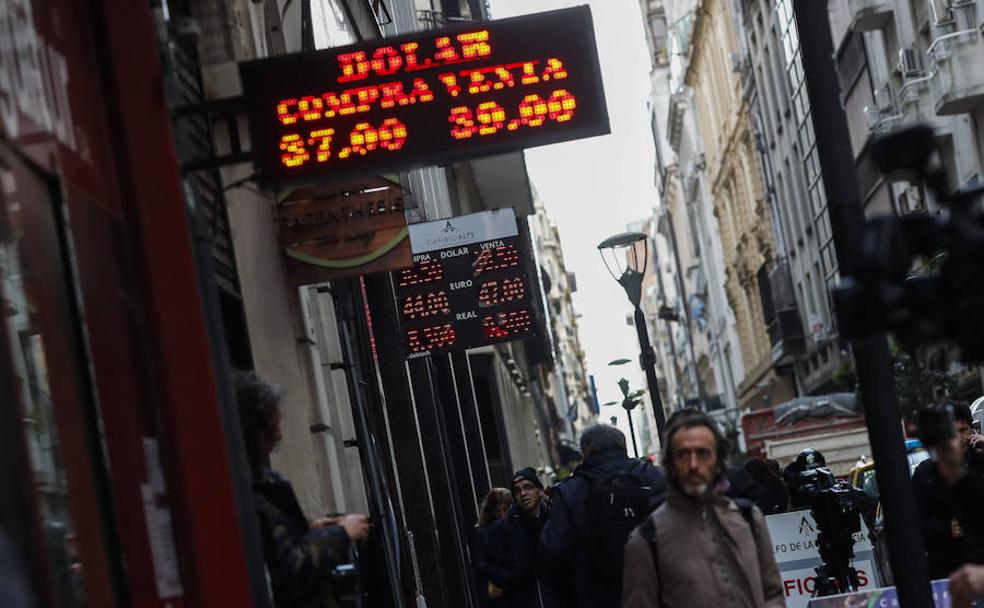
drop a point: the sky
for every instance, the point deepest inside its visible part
(592, 188)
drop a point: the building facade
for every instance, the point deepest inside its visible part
(691, 315)
(901, 64)
(802, 328)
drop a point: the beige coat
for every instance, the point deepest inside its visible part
(691, 572)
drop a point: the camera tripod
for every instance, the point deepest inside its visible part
(835, 573)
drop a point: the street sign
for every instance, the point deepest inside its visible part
(794, 537)
(467, 287)
(433, 97)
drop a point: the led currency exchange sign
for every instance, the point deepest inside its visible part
(429, 98)
(467, 287)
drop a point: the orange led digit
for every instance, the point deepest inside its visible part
(421, 306)
(322, 140)
(507, 324)
(424, 272)
(463, 121)
(294, 153)
(561, 106)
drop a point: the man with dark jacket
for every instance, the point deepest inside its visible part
(512, 545)
(948, 490)
(579, 532)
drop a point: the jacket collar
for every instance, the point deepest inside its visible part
(685, 502)
(519, 515)
(602, 460)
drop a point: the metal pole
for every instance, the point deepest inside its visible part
(635, 448)
(647, 359)
(871, 356)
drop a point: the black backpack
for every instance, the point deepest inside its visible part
(617, 503)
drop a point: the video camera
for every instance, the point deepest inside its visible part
(944, 300)
(836, 507)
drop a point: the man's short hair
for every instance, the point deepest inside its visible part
(689, 418)
(961, 412)
(602, 438)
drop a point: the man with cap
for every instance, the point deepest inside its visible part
(513, 540)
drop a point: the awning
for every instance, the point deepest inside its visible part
(818, 406)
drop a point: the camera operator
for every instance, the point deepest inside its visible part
(950, 489)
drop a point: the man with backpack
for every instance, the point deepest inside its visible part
(591, 515)
(700, 549)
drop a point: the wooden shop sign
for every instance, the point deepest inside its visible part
(344, 230)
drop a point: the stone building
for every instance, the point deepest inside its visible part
(691, 319)
(734, 178)
(801, 327)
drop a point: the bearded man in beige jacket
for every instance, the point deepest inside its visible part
(700, 549)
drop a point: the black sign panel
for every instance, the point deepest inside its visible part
(433, 97)
(465, 297)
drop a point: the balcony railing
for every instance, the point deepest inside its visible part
(959, 72)
(433, 20)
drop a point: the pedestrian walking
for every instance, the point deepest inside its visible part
(300, 555)
(513, 564)
(591, 515)
(700, 549)
(495, 506)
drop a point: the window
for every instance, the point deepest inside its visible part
(331, 28)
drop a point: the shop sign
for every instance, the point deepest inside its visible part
(468, 285)
(432, 97)
(344, 230)
(794, 542)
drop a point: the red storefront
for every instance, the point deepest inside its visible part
(113, 438)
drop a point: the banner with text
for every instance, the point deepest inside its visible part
(794, 537)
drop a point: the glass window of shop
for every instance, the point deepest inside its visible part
(64, 548)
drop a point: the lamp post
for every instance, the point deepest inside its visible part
(629, 276)
(629, 404)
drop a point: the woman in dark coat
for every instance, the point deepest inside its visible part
(494, 507)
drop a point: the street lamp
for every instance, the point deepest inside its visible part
(629, 275)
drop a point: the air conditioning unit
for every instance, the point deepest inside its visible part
(912, 63)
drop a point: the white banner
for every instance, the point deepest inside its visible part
(463, 230)
(794, 537)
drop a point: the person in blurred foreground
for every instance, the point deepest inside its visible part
(949, 489)
(966, 585)
(700, 549)
(300, 555)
